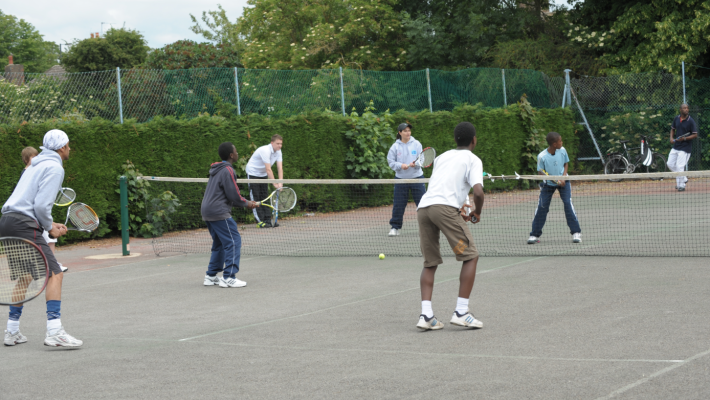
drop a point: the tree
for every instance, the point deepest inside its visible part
(185, 54)
(312, 34)
(122, 48)
(218, 27)
(26, 44)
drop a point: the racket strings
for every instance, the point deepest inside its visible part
(82, 217)
(22, 270)
(65, 196)
(286, 199)
(427, 157)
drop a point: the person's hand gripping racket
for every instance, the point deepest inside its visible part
(468, 214)
(560, 182)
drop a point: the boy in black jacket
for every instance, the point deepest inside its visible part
(221, 195)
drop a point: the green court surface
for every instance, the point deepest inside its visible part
(555, 327)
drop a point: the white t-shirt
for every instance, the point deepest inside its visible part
(455, 173)
(263, 155)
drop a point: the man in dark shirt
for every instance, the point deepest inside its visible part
(680, 154)
(221, 195)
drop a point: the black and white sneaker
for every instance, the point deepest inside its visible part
(427, 324)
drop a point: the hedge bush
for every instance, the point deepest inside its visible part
(314, 147)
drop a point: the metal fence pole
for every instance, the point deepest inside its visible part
(568, 88)
(236, 85)
(120, 101)
(428, 88)
(682, 63)
(505, 95)
(124, 216)
(342, 92)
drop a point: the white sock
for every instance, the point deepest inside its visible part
(461, 305)
(13, 326)
(53, 326)
(426, 309)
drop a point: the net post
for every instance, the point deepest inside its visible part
(505, 95)
(125, 241)
(568, 89)
(236, 85)
(428, 88)
(682, 65)
(342, 91)
(120, 101)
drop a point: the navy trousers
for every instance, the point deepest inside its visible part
(226, 248)
(401, 197)
(543, 207)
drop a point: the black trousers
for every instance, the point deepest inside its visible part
(258, 192)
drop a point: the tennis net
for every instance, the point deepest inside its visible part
(634, 215)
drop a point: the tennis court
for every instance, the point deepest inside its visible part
(344, 327)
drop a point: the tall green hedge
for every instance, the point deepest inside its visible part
(314, 147)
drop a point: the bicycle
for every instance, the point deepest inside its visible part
(618, 162)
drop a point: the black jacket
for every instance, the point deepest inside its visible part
(221, 194)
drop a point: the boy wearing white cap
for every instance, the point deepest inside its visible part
(26, 214)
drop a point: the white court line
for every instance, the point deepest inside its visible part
(654, 375)
(347, 304)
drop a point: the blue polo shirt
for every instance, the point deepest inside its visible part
(552, 164)
(681, 128)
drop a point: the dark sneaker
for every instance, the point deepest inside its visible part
(276, 225)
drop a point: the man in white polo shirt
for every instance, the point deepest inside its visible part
(259, 167)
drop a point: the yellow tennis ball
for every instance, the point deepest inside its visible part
(382, 256)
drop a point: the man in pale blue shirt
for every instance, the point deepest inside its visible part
(554, 161)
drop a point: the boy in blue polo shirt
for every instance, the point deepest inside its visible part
(554, 160)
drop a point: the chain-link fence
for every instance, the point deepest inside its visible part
(616, 107)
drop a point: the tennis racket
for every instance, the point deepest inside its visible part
(65, 197)
(23, 271)
(426, 158)
(282, 199)
(467, 208)
(681, 136)
(81, 217)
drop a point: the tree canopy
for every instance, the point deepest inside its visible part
(185, 54)
(20, 38)
(123, 48)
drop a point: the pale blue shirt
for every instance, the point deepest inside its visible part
(553, 164)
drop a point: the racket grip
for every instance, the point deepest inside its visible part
(474, 219)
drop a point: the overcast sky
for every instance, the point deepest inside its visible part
(160, 21)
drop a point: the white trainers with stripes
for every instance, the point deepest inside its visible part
(577, 238)
(231, 282)
(467, 320)
(427, 324)
(13, 339)
(211, 280)
(62, 339)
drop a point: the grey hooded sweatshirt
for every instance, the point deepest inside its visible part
(221, 194)
(405, 153)
(37, 189)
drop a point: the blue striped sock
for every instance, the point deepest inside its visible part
(15, 313)
(53, 307)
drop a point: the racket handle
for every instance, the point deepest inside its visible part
(474, 219)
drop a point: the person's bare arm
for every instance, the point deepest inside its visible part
(672, 135)
(280, 169)
(478, 198)
(270, 174)
(562, 182)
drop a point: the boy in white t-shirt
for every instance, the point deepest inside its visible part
(441, 209)
(259, 167)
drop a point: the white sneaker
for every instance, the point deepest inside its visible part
(63, 268)
(394, 232)
(62, 339)
(577, 238)
(427, 324)
(231, 282)
(533, 240)
(211, 280)
(17, 338)
(467, 320)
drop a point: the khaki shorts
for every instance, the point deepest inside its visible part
(446, 219)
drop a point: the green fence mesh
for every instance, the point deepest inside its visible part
(616, 107)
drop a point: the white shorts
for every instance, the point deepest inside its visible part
(46, 237)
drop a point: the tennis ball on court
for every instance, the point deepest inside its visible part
(382, 256)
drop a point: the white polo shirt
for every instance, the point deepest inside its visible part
(455, 173)
(262, 156)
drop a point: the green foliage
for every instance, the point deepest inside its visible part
(302, 34)
(122, 48)
(137, 197)
(159, 213)
(218, 28)
(186, 54)
(546, 54)
(535, 143)
(20, 38)
(315, 145)
(655, 124)
(371, 138)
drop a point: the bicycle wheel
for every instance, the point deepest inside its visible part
(616, 164)
(658, 164)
